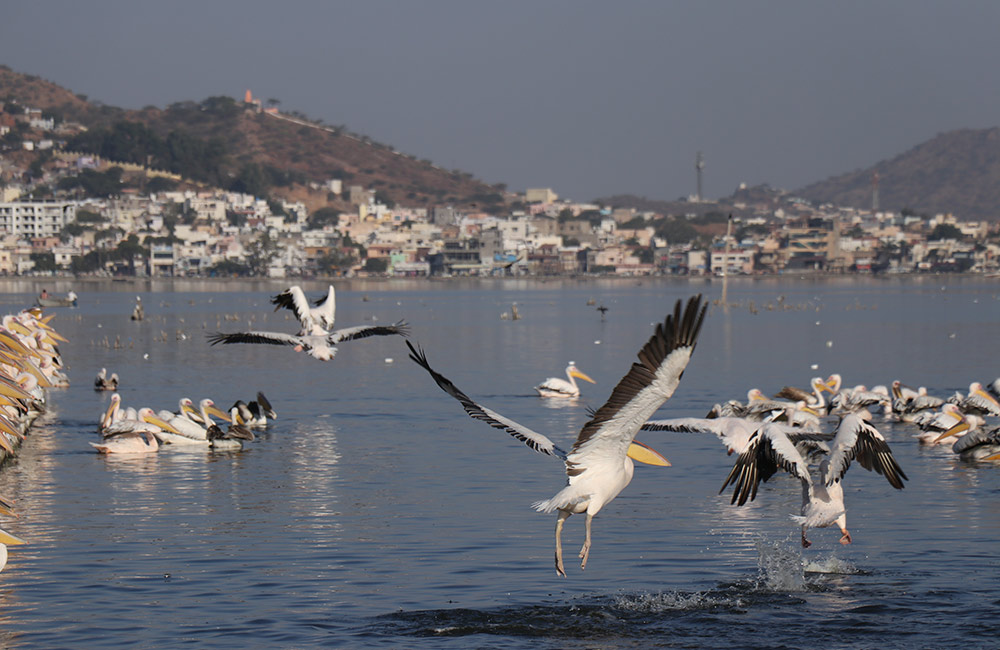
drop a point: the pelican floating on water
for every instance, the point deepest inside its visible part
(318, 346)
(316, 320)
(104, 382)
(771, 449)
(599, 466)
(978, 444)
(557, 387)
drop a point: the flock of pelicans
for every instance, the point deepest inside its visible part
(787, 432)
(29, 363)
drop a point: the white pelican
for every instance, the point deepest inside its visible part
(132, 436)
(316, 321)
(257, 412)
(556, 387)
(599, 465)
(104, 382)
(978, 444)
(859, 398)
(933, 423)
(822, 495)
(733, 432)
(190, 427)
(6, 539)
(980, 402)
(322, 347)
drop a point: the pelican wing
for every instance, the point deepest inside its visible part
(363, 331)
(270, 338)
(533, 439)
(643, 389)
(769, 450)
(795, 394)
(856, 439)
(976, 438)
(292, 298)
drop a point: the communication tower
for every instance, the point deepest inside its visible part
(699, 164)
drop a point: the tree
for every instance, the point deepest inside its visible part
(376, 264)
(44, 262)
(945, 231)
(260, 253)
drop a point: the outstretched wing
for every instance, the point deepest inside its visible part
(769, 450)
(856, 439)
(646, 386)
(535, 440)
(269, 338)
(363, 331)
(294, 299)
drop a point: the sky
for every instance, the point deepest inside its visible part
(588, 98)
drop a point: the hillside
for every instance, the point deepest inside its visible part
(237, 141)
(956, 172)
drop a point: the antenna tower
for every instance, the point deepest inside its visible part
(699, 164)
(874, 193)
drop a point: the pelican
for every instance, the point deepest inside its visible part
(813, 399)
(557, 387)
(230, 438)
(859, 398)
(934, 423)
(599, 466)
(316, 321)
(822, 495)
(190, 426)
(104, 382)
(318, 346)
(6, 539)
(257, 412)
(980, 402)
(142, 442)
(733, 432)
(978, 444)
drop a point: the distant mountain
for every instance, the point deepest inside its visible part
(246, 146)
(956, 172)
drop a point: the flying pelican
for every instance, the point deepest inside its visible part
(318, 346)
(822, 495)
(557, 387)
(316, 321)
(978, 444)
(599, 465)
(733, 432)
(103, 382)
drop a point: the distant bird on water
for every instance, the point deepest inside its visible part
(599, 466)
(104, 382)
(603, 311)
(558, 387)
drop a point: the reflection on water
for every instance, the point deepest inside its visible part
(374, 512)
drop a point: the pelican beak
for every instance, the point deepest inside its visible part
(13, 390)
(954, 431)
(993, 457)
(643, 454)
(163, 424)
(7, 507)
(107, 414)
(13, 342)
(5, 444)
(9, 540)
(219, 414)
(580, 375)
(19, 328)
(809, 409)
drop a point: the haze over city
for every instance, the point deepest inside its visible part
(590, 99)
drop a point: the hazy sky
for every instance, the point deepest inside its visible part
(588, 98)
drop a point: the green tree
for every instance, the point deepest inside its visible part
(945, 231)
(261, 252)
(44, 261)
(376, 264)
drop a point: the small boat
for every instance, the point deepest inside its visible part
(52, 301)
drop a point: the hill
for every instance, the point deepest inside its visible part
(956, 172)
(224, 142)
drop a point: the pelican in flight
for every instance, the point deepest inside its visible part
(557, 387)
(771, 449)
(315, 321)
(319, 346)
(104, 382)
(599, 465)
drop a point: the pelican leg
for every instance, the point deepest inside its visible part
(585, 551)
(846, 538)
(805, 542)
(563, 516)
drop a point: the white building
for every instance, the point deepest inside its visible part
(36, 218)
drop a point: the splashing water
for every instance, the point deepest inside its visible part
(780, 567)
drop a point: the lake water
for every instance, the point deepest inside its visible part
(375, 513)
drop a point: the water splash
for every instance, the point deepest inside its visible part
(674, 601)
(779, 567)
